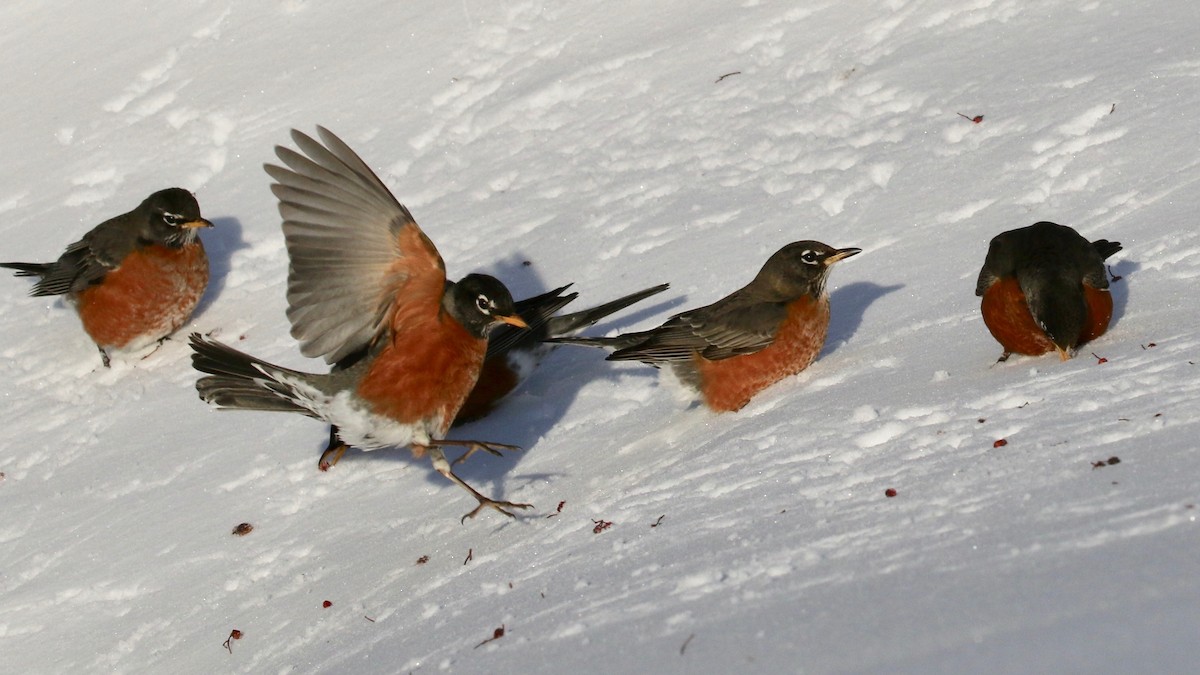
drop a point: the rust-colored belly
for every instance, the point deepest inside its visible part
(152, 294)
(729, 384)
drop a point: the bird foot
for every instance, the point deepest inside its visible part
(492, 503)
(332, 455)
(475, 446)
(443, 467)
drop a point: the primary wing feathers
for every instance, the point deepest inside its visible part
(352, 247)
(728, 328)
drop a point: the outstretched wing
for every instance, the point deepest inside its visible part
(357, 256)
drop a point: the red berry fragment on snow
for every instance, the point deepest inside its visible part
(422, 560)
(1099, 359)
(890, 492)
(558, 510)
(234, 634)
(1000, 443)
(243, 529)
(327, 604)
(976, 119)
(496, 635)
(601, 525)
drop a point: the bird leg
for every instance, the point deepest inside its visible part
(443, 467)
(104, 357)
(333, 451)
(473, 446)
(157, 346)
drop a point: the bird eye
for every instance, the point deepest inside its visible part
(483, 303)
(809, 257)
(172, 219)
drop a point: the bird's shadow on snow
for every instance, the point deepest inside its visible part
(1118, 286)
(220, 242)
(847, 305)
(529, 413)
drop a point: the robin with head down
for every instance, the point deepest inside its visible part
(367, 291)
(134, 279)
(728, 351)
(1044, 288)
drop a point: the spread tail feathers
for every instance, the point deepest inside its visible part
(238, 380)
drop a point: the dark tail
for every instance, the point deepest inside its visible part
(615, 343)
(28, 269)
(535, 312)
(238, 380)
(567, 324)
(1106, 248)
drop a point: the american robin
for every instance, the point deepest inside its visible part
(1044, 288)
(514, 353)
(765, 331)
(367, 291)
(135, 278)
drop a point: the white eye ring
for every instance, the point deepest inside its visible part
(172, 219)
(483, 303)
(809, 257)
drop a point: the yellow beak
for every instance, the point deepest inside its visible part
(513, 320)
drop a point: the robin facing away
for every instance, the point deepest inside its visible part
(134, 279)
(1044, 288)
(765, 331)
(367, 291)
(513, 353)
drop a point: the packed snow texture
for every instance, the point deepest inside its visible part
(618, 145)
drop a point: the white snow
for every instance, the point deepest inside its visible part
(619, 145)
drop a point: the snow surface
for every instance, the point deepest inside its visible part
(618, 145)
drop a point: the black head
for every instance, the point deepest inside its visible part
(171, 217)
(1057, 303)
(799, 268)
(480, 303)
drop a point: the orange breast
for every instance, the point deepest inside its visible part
(729, 384)
(1100, 308)
(1007, 316)
(147, 298)
(425, 373)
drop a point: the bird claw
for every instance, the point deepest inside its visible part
(493, 448)
(332, 455)
(492, 503)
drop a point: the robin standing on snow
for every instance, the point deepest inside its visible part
(1044, 288)
(367, 291)
(730, 350)
(135, 278)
